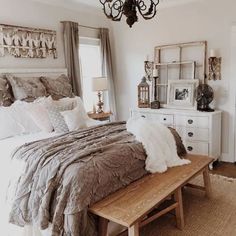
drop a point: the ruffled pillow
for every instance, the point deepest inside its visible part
(32, 117)
(19, 111)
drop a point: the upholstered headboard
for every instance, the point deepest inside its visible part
(33, 72)
(17, 84)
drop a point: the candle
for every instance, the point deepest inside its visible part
(147, 58)
(155, 73)
(213, 53)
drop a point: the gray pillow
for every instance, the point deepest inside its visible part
(56, 119)
(58, 88)
(179, 143)
(26, 89)
(6, 98)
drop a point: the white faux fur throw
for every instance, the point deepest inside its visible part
(158, 142)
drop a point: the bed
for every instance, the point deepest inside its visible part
(7, 146)
(54, 177)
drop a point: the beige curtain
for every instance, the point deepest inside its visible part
(71, 49)
(107, 69)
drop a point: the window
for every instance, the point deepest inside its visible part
(90, 59)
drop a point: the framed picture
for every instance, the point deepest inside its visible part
(182, 94)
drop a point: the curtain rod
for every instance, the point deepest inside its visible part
(89, 27)
(85, 26)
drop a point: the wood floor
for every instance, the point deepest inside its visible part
(225, 169)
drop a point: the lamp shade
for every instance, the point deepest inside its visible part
(99, 84)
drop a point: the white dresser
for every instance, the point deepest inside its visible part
(200, 131)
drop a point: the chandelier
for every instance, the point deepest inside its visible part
(115, 9)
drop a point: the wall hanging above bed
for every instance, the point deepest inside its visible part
(25, 42)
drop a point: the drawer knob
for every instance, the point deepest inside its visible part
(190, 134)
(190, 121)
(143, 116)
(164, 119)
(190, 148)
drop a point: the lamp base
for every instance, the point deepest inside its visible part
(100, 103)
(100, 110)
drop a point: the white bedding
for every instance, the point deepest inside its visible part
(11, 170)
(7, 170)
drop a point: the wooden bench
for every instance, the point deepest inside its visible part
(131, 206)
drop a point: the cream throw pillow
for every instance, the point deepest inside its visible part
(74, 119)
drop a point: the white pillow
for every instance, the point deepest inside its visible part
(74, 119)
(39, 115)
(19, 113)
(65, 102)
(74, 102)
(8, 125)
(80, 105)
(33, 116)
(16, 120)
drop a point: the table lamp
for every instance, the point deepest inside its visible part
(99, 84)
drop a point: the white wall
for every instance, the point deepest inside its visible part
(33, 14)
(209, 20)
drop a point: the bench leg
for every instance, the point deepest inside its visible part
(179, 209)
(102, 228)
(134, 230)
(207, 182)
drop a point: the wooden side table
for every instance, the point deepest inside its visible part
(100, 116)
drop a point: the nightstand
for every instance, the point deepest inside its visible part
(100, 116)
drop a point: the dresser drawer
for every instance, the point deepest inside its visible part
(200, 148)
(146, 115)
(192, 121)
(166, 119)
(193, 134)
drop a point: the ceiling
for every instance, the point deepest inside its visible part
(93, 3)
(96, 5)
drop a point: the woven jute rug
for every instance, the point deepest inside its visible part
(203, 217)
